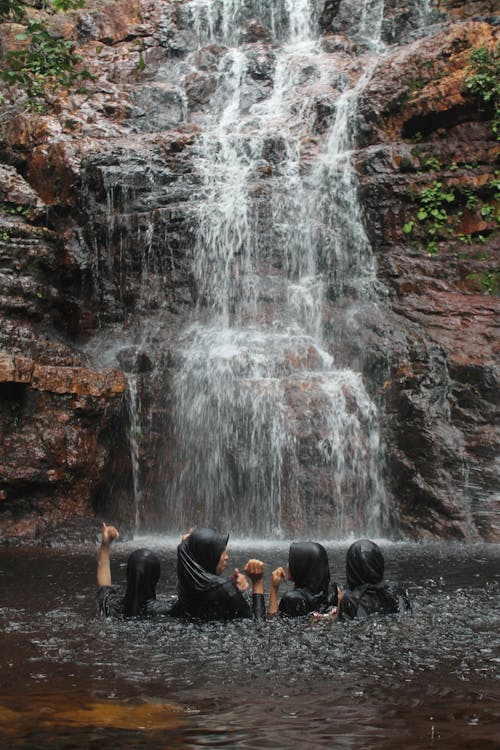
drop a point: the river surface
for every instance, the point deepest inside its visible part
(430, 679)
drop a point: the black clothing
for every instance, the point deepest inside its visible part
(298, 602)
(110, 603)
(370, 599)
(143, 572)
(202, 593)
(223, 602)
(308, 565)
(364, 563)
(368, 593)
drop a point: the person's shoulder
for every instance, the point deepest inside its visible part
(349, 605)
(293, 604)
(103, 592)
(228, 589)
(109, 601)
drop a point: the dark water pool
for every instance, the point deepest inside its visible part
(427, 680)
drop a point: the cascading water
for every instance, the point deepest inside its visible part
(271, 436)
(134, 409)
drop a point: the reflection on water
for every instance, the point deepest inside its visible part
(430, 679)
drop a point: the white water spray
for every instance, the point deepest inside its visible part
(272, 438)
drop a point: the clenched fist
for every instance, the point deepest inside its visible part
(254, 570)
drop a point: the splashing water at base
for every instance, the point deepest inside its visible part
(421, 680)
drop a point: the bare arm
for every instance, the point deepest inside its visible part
(277, 576)
(108, 534)
(255, 571)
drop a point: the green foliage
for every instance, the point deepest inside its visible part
(15, 10)
(433, 211)
(47, 62)
(489, 212)
(471, 199)
(13, 209)
(433, 214)
(431, 162)
(469, 239)
(440, 210)
(488, 281)
(11, 10)
(140, 63)
(494, 184)
(483, 81)
(432, 247)
(65, 5)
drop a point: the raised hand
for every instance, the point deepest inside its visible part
(108, 534)
(254, 570)
(239, 580)
(277, 576)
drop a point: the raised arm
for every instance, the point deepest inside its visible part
(277, 576)
(255, 571)
(108, 535)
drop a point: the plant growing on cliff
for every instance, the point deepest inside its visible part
(11, 10)
(488, 281)
(433, 214)
(483, 81)
(48, 61)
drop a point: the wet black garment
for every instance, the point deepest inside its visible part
(309, 569)
(110, 603)
(202, 593)
(143, 572)
(368, 593)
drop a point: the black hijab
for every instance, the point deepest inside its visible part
(364, 564)
(308, 565)
(368, 593)
(197, 558)
(143, 572)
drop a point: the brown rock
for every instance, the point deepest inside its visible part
(78, 380)
(15, 369)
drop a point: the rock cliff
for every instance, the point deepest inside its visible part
(96, 231)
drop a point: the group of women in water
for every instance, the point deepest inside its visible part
(203, 593)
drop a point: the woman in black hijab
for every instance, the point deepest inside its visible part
(143, 572)
(368, 593)
(202, 592)
(308, 568)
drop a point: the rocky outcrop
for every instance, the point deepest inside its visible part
(96, 234)
(56, 421)
(420, 131)
(61, 433)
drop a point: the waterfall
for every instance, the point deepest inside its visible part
(134, 408)
(271, 436)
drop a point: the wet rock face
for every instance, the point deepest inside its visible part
(99, 203)
(55, 422)
(59, 418)
(440, 397)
